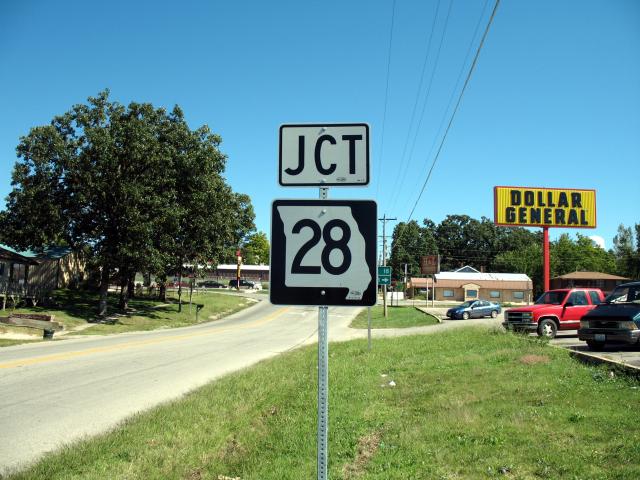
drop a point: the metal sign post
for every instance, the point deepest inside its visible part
(323, 381)
(323, 393)
(323, 252)
(369, 326)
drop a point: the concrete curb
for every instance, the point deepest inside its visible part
(426, 310)
(593, 359)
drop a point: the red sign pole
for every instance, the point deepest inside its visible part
(239, 255)
(545, 254)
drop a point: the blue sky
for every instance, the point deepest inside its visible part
(554, 100)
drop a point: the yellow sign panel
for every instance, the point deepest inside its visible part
(544, 207)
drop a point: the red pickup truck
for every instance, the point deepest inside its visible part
(555, 310)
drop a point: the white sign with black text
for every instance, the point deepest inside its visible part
(324, 155)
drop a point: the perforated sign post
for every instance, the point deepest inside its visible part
(323, 252)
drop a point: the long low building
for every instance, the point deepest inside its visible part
(250, 272)
(603, 281)
(469, 284)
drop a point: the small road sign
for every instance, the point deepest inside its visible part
(384, 271)
(324, 155)
(384, 280)
(323, 252)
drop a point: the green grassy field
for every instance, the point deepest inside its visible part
(471, 404)
(398, 317)
(76, 310)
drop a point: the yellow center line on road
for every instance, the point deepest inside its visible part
(153, 341)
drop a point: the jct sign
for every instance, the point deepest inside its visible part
(324, 155)
(545, 207)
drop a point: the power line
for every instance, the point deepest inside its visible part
(464, 87)
(426, 99)
(415, 104)
(386, 98)
(457, 82)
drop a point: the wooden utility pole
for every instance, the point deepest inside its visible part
(384, 221)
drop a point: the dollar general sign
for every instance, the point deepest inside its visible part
(544, 207)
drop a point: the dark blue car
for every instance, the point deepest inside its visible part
(474, 309)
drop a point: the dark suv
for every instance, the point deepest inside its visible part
(243, 283)
(615, 320)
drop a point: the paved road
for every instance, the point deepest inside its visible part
(57, 392)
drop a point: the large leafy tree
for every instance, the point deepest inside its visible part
(134, 185)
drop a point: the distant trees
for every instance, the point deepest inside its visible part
(256, 249)
(134, 185)
(626, 249)
(409, 242)
(461, 240)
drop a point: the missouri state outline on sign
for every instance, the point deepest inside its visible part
(323, 252)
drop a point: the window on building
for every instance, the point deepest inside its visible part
(447, 293)
(518, 295)
(494, 294)
(472, 293)
(19, 273)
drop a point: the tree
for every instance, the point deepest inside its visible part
(410, 242)
(526, 258)
(627, 252)
(582, 254)
(133, 184)
(256, 249)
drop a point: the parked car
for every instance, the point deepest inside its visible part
(474, 309)
(554, 310)
(245, 284)
(617, 319)
(211, 284)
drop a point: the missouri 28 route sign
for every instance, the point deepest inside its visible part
(335, 154)
(323, 252)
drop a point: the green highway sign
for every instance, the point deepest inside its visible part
(384, 279)
(384, 271)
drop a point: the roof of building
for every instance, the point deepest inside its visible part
(590, 276)
(262, 268)
(475, 277)
(467, 269)
(47, 253)
(8, 253)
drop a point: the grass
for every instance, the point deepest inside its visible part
(398, 317)
(77, 309)
(503, 406)
(8, 342)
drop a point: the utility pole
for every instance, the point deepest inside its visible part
(384, 221)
